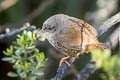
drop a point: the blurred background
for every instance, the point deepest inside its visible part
(14, 13)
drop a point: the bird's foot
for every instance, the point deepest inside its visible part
(64, 60)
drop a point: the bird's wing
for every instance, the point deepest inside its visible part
(84, 24)
(82, 34)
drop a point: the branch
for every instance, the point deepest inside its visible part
(108, 23)
(113, 39)
(86, 71)
(6, 4)
(103, 28)
(103, 12)
(11, 35)
(61, 70)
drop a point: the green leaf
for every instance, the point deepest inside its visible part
(31, 47)
(26, 66)
(42, 56)
(33, 78)
(25, 37)
(18, 66)
(4, 52)
(18, 70)
(12, 74)
(106, 53)
(7, 58)
(9, 51)
(18, 36)
(34, 36)
(29, 34)
(11, 48)
(92, 66)
(22, 40)
(18, 52)
(23, 74)
(25, 32)
(39, 73)
(36, 50)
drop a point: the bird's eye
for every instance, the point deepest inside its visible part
(51, 28)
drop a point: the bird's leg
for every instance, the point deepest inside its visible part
(65, 60)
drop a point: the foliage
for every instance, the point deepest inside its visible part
(110, 64)
(25, 57)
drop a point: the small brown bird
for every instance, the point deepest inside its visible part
(70, 36)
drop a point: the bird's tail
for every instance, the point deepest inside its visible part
(102, 46)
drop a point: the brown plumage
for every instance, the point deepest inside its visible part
(70, 35)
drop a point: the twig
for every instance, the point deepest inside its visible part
(56, 55)
(11, 35)
(86, 71)
(61, 70)
(114, 38)
(104, 27)
(103, 12)
(108, 23)
(6, 4)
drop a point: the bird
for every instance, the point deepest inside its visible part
(70, 36)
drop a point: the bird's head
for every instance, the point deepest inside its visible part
(52, 26)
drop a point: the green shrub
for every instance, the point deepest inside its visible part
(25, 58)
(109, 63)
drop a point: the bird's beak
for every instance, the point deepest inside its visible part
(40, 34)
